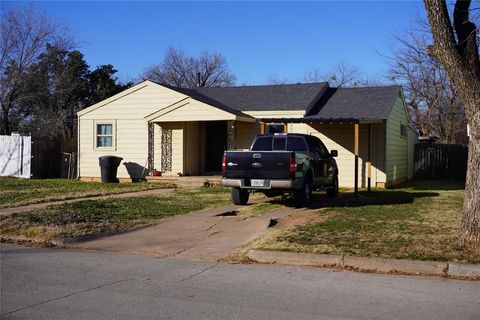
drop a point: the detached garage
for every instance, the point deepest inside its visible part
(184, 132)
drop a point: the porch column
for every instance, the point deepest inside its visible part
(231, 135)
(369, 158)
(151, 135)
(356, 140)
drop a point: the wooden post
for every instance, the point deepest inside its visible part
(285, 127)
(262, 127)
(369, 158)
(356, 138)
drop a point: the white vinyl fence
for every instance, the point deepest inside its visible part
(15, 155)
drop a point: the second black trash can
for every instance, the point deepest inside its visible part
(108, 168)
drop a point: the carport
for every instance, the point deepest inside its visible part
(338, 122)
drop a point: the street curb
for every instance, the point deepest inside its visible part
(367, 264)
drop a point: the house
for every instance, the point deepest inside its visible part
(185, 131)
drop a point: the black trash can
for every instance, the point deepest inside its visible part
(108, 168)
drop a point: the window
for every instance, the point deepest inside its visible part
(105, 135)
(262, 144)
(274, 128)
(296, 144)
(403, 130)
(279, 143)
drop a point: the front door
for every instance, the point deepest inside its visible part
(215, 145)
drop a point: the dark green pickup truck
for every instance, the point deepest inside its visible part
(281, 163)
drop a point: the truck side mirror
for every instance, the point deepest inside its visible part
(334, 153)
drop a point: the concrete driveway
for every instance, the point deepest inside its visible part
(205, 235)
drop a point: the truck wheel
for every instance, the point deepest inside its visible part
(333, 192)
(303, 196)
(240, 196)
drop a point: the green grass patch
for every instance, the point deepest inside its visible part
(17, 192)
(419, 220)
(90, 217)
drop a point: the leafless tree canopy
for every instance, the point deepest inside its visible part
(178, 69)
(341, 75)
(24, 35)
(434, 105)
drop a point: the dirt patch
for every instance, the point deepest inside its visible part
(302, 218)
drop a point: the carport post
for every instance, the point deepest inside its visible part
(356, 134)
(369, 158)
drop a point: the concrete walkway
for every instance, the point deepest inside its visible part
(205, 235)
(154, 192)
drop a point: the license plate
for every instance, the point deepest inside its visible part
(257, 183)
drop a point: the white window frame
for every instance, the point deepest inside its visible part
(406, 130)
(114, 134)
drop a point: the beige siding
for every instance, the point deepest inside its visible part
(192, 148)
(276, 114)
(397, 146)
(340, 137)
(131, 145)
(128, 113)
(245, 134)
(136, 105)
(195, 111)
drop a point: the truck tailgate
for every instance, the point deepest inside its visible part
(258, 164)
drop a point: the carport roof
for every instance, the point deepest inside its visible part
(368, 103)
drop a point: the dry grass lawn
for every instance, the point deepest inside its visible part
(16, 192)
(91, 217)
(420, 220)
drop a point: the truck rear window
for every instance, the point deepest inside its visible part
(262, 144)
(296, 144)
(280, 144)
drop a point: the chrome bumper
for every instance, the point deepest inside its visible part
(270, 184)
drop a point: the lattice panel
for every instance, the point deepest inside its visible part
(151, 144)
(166, 150)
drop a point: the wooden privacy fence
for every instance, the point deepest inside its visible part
(48, 160)
(15, 155)
(441, 161)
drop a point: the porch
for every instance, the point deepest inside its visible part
(195, 148)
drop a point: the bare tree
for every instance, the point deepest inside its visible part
(275, 79)
(340, 75)
(178, 69)
(433, 101)
(24, 35)
(456, 48)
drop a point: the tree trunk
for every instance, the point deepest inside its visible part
(461, 61)
(5, 129)
(470, 237)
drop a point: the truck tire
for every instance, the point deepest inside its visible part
(333, 191)
(304, 195)
(240, 196)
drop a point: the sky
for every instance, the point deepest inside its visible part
(260, 40)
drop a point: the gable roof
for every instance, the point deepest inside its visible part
(368, 103)
(301, 96)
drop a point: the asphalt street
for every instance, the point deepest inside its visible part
(66, 284)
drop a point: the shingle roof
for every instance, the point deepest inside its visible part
(317, 99)
(300, 96)
(369, 103)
